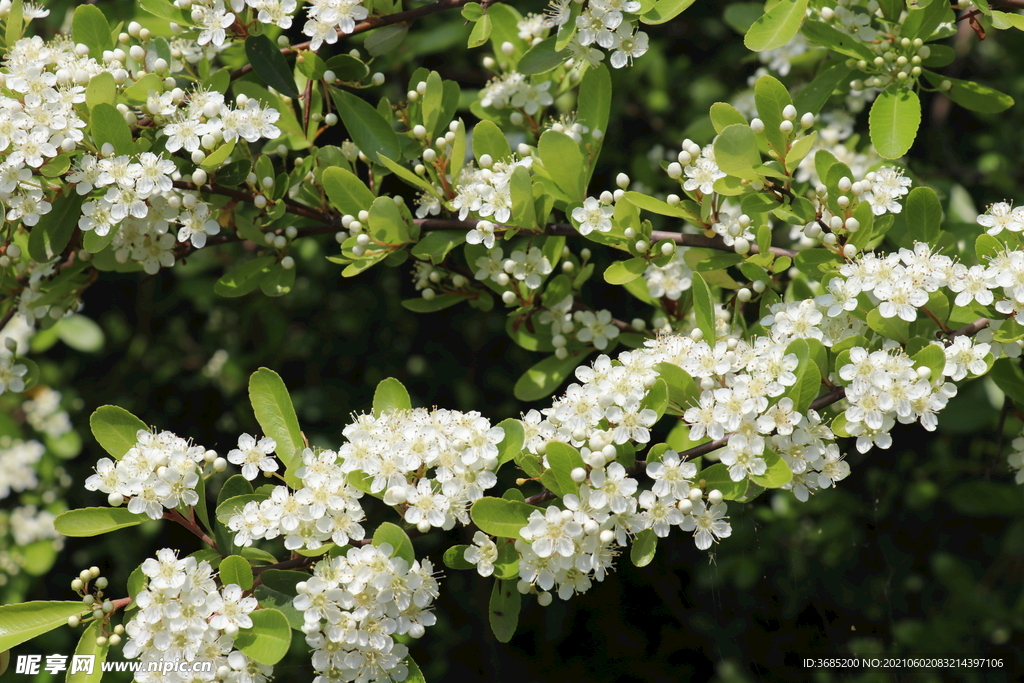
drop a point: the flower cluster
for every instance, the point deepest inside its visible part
(329, 18)
(671, 279)
(159, 471)
(184, 616)
(885, 387)
(434, 463)
(486, 191)
(699, 167)
(325, 509)
(515, 90)
(355, 605)
(883, 189)
(18, 464)
(44, 413)
(529, 267)
(603, 23)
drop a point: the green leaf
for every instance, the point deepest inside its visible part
(269, 638)
(717, 477)
(644, 546)
(778, 473)
(657, 397)
(235, 569)
(665, 10)
(348, 194)
(932, 357)
(436, 244)
(87, 647)
(386, 39)
(593, 107)
(563, 459)
(277, 280)
(399, 541)
(15, 27)
(921, 23)
(85, 522)
(544, 377)
(387, 224)
(808, 378)
(541, 58)
(503, 610)
(243, 279)
(164, 9)
(276, 416)
(971, 95)
(108, 125)
(723, 114)
(407, 175)
(390, 396)
(101, 89)
(682, 388)
(987, 247)
(80, 333)
(621, 272)
(703, 306)
(90, 27)
(512, 443)
(771, 97)
(115, 429)
(438, 303)
(561, 159)
(501, 517)
(892, 328)
(347, 68)
(777, 27)
(455, 558)
(813, 96)
(24, 621)
(368, 129)
(50, 236)
(642, 201)
(1007, 375)
(894, 119)
(270, 65)
(924, 214)
(834, 39)
(481, 32)
(488, 139)
(736, 151)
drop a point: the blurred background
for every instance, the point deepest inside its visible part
(919, 551)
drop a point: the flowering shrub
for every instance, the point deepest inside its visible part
(802, 294)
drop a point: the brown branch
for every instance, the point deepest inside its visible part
(375, 22)
(971, 329)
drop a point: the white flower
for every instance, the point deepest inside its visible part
(254, 456)
(11, 375)
(482, 553)
(708, 524)
(1001, 217)
(593, 215)
(482, 233)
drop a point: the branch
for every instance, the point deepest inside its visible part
(176, 516)
(375, 22)
(971, 329)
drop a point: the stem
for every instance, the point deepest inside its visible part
(176, 516)
(942, 326)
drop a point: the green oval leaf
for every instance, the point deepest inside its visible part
(541, 58)
(276, 415)
(86, 522)
(777, 26)
(396, 537)
(736, 152)
(87, 647)
(90, 26)
(269, 638)
(348, 194)
(545, 376)
(115, 429)
(390, 396)
(243, 279)
(501, 517)
(108, 125)
(563, 161)
(50, 236)
(455, 558)
(621, 272)
(704, 308)
(894, 120)
(24, 621)
(270, 65)
(503, 611)
(971, 95)
(235, 569)
(644, 546)
(368, 129)
(665, 10)
(717, 477)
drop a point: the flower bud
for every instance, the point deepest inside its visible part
(849, 251)
(674, 170)
(622, 180)
(287, 263)
(607, 536)
(507, 48)
(423, 526)
(668, 248)
(786, 126)
(757, 125)
(741, 246)
(695, 494)
(789, 112)
(377, 78)
(544, 599)
(715, 496)
(807, 120)
(743, 294)
(578, 474)
(428, 293)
